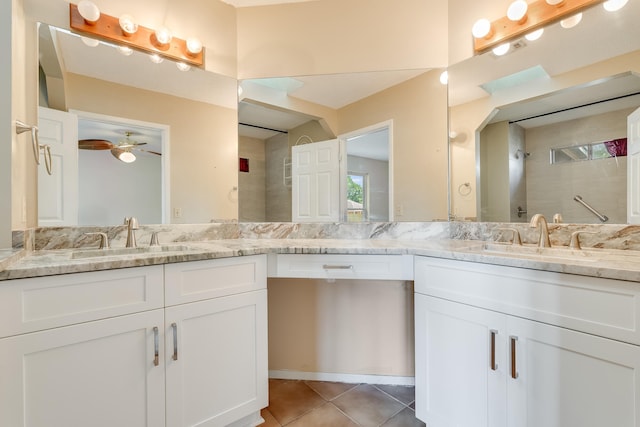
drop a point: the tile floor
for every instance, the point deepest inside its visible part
(294, 403)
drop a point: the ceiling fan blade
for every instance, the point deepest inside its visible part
(95, 144)
(148, 151)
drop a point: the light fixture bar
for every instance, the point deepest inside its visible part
(108, 28)
(539, 14)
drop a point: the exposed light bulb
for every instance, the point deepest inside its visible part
(182, 66)
(535, 35)
(240, 91)
(123, 155)
(126, 51)
(481, 29)
(128, 25)
(163, 35)
(89, 11)
(554, 2)
(155, 58)
(89, 41)
(614, 5)
(444, 77)
(517, 11)
(571, 21)
(501, 49)
(194, 46)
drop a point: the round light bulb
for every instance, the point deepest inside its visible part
(481, 29)
(554, 2)
(571, 21)
(89, 11)
(444, 77)
(155, 58)
(128, 25)
(453, 134)
(163, 35)
(614, 5)
(240, 91)
(501, 49)
(126, 51)
(517, 11)
(194, 46)
(182, 66)
(535, 35)
(89, 41)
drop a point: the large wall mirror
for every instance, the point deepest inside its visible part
(540, 129)
(185, 124)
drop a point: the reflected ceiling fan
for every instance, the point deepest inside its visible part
(122, 151)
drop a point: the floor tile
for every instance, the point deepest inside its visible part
(406, 418)
(326, 415)
(367, 405)
(405, 394)
(289, 400)
(269, 420)
(330, 390)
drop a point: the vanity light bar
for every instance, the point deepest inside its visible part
(538, 15)
(108, 28)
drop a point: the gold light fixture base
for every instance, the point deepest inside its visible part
(539, 14)
(108, 28)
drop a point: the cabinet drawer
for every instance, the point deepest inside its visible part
(34, 304)
(200, 280)
(323, 266)
(604, 307)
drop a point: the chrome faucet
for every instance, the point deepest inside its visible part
(540, 220)
(132, 224)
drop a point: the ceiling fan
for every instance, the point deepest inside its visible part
(121, 151)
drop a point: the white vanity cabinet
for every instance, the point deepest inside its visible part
(83, 349)
(216, 342)
(499, 346)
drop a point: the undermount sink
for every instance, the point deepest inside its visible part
(93, 253)
(554, 253)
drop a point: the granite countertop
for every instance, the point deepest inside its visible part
(614, 264)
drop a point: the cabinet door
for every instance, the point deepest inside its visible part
(568, 378)
(99, 373)
(460, 364)
(216, 360)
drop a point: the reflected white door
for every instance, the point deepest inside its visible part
(316, 183)
(58, 193)
(633, 167)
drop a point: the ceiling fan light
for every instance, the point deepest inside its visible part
(123, 155)
(128, 25)
(194, 46)
(614, 5)
(571, 21)
(89, 12)
(517, 11)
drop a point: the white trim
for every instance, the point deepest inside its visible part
(343, 378)
(164, 130)
(388, 124)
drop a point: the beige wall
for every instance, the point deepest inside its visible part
(203, 142)
(345, 326)
(337, 36)
(420, 158)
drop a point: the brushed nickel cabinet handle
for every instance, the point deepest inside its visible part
(337, 267)
(175, 340)
(156, 346)
(494, 366)
(514, 371)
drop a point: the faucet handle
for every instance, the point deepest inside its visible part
(575, 238)
(131, 222)
(154, 239)
(516, 240)
(104, 239)
(557, 218)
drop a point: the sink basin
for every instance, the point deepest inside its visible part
(93, 253)
(557, 253)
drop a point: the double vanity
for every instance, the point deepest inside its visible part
(515, 335)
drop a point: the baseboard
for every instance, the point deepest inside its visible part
(342, 378)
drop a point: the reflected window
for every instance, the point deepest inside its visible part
(593, 151)
(357, 197)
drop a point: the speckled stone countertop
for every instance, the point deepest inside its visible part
(606, 263)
